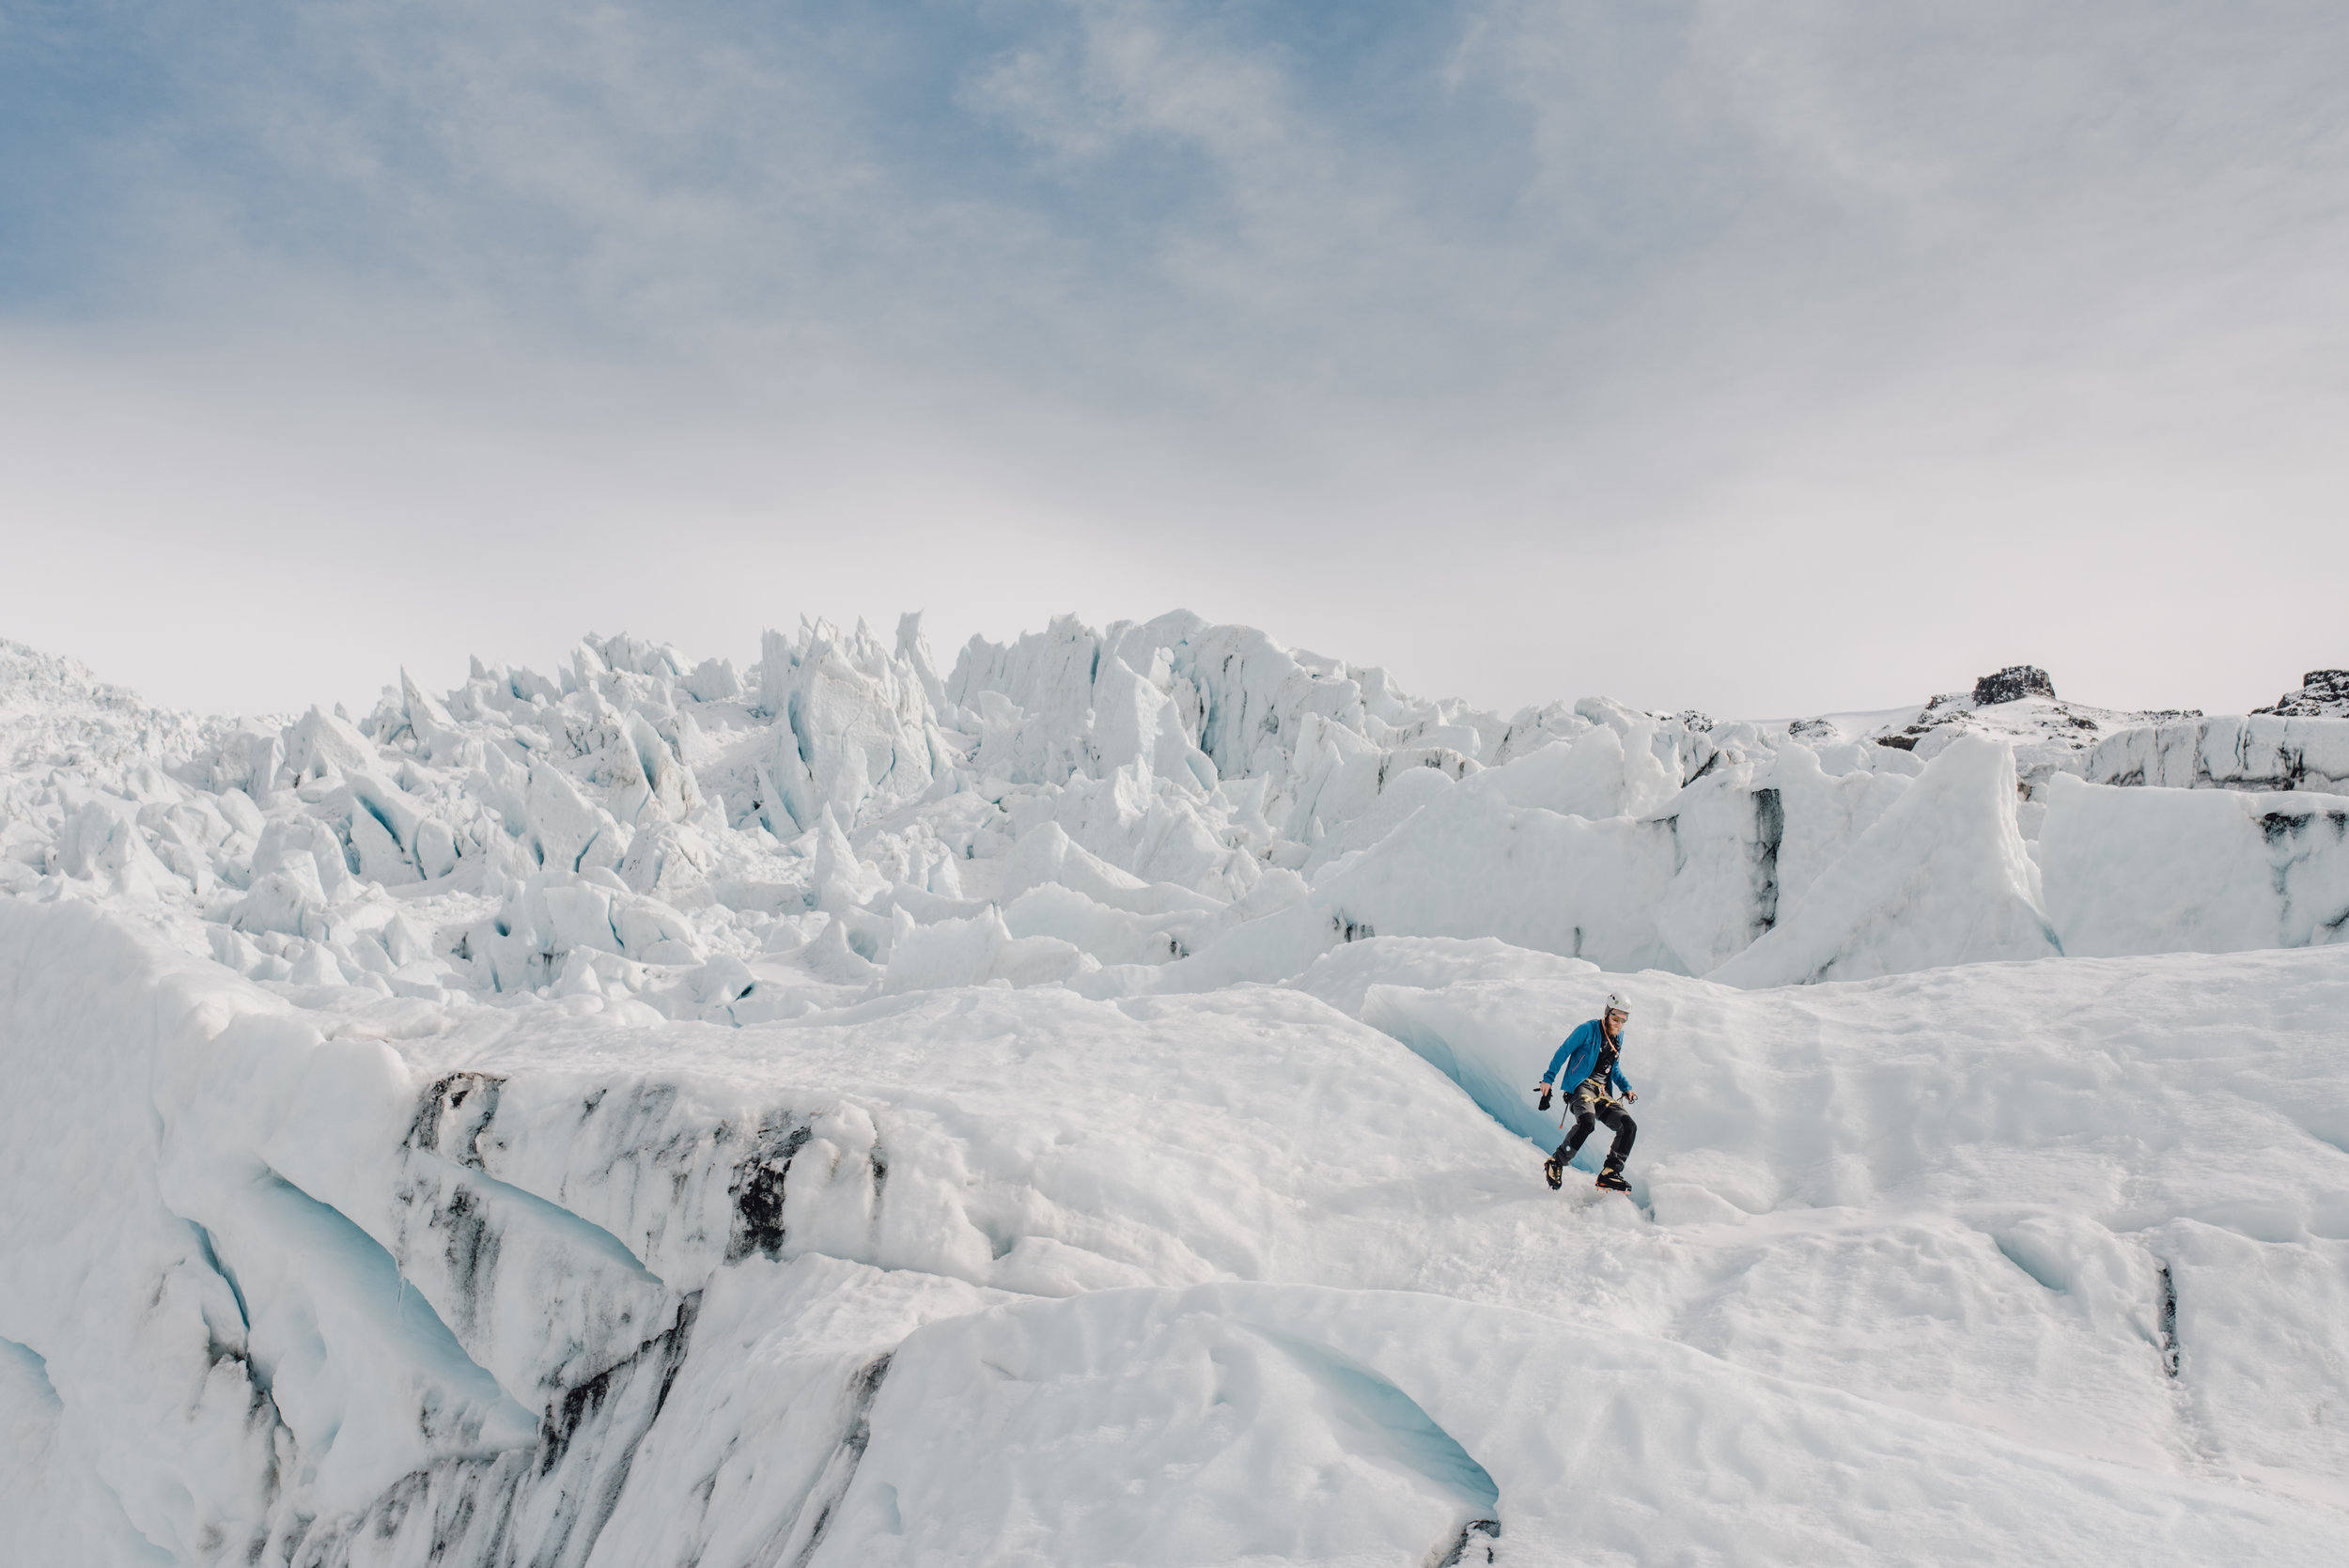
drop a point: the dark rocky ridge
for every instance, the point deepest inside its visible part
(2013, 684)
(2323, 694)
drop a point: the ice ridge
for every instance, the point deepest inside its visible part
(1073, 1107)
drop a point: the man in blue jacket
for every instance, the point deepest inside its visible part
(1589, 1057)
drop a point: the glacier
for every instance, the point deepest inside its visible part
(1073, 1107)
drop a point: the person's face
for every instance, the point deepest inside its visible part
(1615, 1021)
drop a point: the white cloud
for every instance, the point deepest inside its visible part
(1692, 352)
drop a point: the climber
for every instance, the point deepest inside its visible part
(1591, 1057)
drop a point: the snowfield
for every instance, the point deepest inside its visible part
(1076, 1109)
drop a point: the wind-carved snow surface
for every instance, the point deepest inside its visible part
(1074, 1108)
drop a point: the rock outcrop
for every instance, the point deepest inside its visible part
(2013, 684)
(2323, 694)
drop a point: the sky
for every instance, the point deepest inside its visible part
(1765, 360)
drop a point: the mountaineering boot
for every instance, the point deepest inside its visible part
(1611, 1180)
(1554, 1172)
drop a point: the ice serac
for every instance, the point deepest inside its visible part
(1214, 1426)
(1941, 878)
(2179, 870)
(2306, 748)
(1077, 1107)
(141, 1340)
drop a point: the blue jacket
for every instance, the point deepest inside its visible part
(1580, 1054)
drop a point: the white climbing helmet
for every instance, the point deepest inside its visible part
(1615, 1004)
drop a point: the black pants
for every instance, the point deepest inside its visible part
(1589, 1109)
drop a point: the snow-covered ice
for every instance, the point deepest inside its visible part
(1075, 1107)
